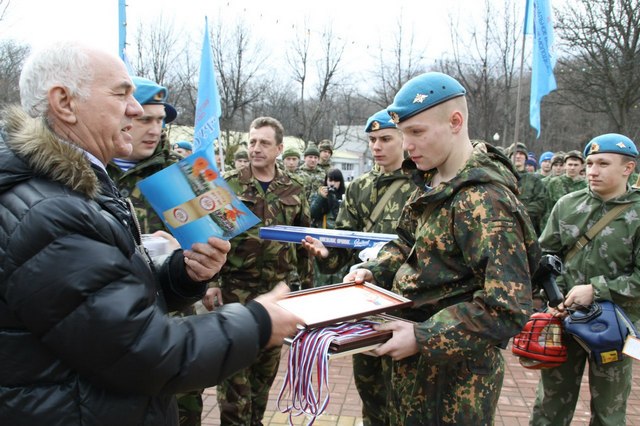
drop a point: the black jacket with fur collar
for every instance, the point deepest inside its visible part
(84, 337)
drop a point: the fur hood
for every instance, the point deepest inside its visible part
(28, 148)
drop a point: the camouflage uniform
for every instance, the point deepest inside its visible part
(371, 374)
(189, 403)
(533, 194)
(254, 266)
(313, 179)
(126, 182)
(610, 262)
(562, 185)
(464, 255)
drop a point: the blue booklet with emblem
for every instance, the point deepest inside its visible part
(329, 237)
(195, 202)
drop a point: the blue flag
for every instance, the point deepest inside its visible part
(122, 34)
(208, 109)
(538, 22)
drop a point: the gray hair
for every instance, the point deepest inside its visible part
(65, 64)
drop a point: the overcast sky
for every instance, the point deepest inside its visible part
(359, 23)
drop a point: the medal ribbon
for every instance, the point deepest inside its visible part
(308, 348)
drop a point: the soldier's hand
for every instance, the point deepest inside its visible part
(212, 298)
(315, 247)
(359, 276)
(203, 261)
(173, 243)
(581, 295)
(403, 342)
(283, 323)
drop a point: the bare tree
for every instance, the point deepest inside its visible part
(156, 51)
(4, 6)
(397, 64)
(313, 108)
(12, 56)
(600, 70)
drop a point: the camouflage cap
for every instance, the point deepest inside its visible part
(291, 152)
(574, 154)
(611, 143)
(241, 153)
(325, 145)
(423, 92)
(558, 157)
(379, 120)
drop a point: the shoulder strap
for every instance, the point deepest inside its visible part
(371, 220)
(595, 229)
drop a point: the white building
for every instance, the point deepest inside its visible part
(351, 155)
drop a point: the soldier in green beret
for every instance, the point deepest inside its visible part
(465, 252)
(373, 203)
(606, 267)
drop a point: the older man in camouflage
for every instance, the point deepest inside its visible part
(605, 268)
(255, 266)
(464, 255)
(388, 185)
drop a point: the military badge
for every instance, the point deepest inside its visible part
(375, 125)
(159, 97)
(594, 147)
(395, 117)
(419, 98)
(621, 145)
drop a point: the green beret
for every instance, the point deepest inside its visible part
(379, 120)
(423, 92)
(611, 143)
(291, 152)
(312, 149)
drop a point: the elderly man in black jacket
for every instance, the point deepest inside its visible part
(84, 335)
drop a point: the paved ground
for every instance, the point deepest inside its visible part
(344, 407)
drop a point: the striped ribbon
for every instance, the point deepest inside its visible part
(309, 348)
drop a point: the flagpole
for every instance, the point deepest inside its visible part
(517, 125)
(122, 27)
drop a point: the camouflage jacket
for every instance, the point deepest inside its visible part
(611, 261)
(360, 200)
(257, 263)
(533, 194)
(313, 179)
(464, 256)
(559, 186)
(126, 183)
(325, 167)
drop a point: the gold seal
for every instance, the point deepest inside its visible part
(375, 125)
(594, 147)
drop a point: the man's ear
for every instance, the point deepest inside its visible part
(456, 120)
(629, 168)
(62, 104)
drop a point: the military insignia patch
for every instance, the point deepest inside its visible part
(375, 125)
(595, 147)
(159, 96)
(395, 117)
(419, 98)
(621, 145)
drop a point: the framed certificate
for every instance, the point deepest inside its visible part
(336, 303)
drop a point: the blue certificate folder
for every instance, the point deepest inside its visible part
(195, 202)
(329, 237)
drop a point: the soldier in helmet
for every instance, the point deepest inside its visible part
(603, 268)
(464, 254)
(325, 147)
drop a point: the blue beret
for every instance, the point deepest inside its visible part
(611, 143)
(546, 156)
(150, 93)
(379, 120)
(183, 145)
(423, 92)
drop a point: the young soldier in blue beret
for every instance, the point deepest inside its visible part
(464, 255)
(605, 268)
(387, 184)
